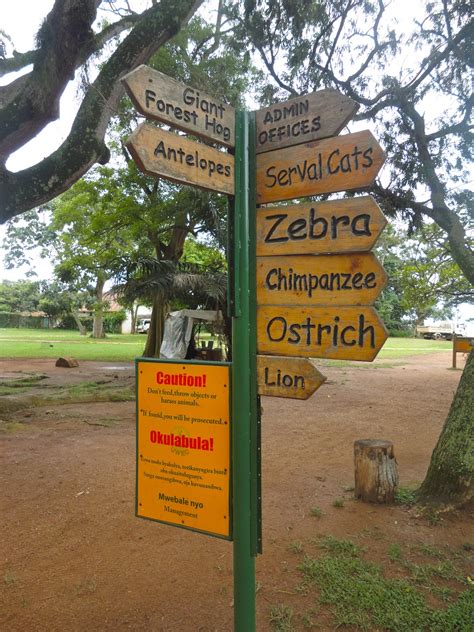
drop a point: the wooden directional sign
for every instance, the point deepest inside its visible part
(160, 97)
(351, 279)
(349, 225)
(295, 378)
(180, 160)
(322, 166)
(303, 119)
(341, 333)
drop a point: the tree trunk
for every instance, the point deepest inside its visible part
(156, 331)
(98, 323)
(133, 318)
(80, 326)
(376, 475)
(450, 475)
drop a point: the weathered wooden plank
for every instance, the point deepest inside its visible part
(336, 226)
(303, 119)
(181, 160)
(293, 378)
(341, 163)
(341, 333)
(162, 98)
(351, 279)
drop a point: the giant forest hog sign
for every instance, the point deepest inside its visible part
(160, 97)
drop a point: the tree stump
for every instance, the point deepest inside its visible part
(376, 474)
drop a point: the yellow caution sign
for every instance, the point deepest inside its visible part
(183, 444)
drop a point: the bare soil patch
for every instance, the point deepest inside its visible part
(74, 556)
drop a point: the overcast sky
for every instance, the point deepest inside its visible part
(21, 20)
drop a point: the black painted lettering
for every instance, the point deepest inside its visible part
(270, 174)
(320, 221)
(299, 382)
(276, 320)
(269, 284)
(357, 280)
(363, 331)
(188, 96)
(268, 118)
(368, 158)
(302, 171)
(150, 97)
(360, 225)
(160, 149)
(335, 331)
(370, 280)
(294, 337)
(346, 279)
(332, 170)
(267, 378)
(335, 221)
(345, 164)
(345, 342)
(355, 154)
(295, 229)
(308, 326)
(335, 283)
(322, 329)
(268, 237)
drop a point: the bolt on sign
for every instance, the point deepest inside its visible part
(164, 99)
(303, 119)
(335, 226)
(183, 444)
(339, 333)
(347, 279)
(296, 378)
(334, 164)
(181, 160)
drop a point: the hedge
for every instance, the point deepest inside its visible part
(12, 320)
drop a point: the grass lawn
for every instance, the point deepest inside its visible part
(52, 343)
(400, 347)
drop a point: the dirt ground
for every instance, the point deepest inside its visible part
(74, 556)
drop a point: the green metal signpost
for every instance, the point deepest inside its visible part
(244, 383)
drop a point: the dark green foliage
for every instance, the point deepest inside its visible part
(8, 320)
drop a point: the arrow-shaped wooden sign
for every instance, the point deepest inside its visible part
(180, 160)
(162, 98)
(351, 279)
(348, 225)
(294, 378)
(341, 163)
(303, 119)
(341, 333)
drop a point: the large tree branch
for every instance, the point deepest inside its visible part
(31, 93)
(85, 143)
(65, 32)
(442, 215)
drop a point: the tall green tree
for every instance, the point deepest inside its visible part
(19, 296)
(414, 85)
